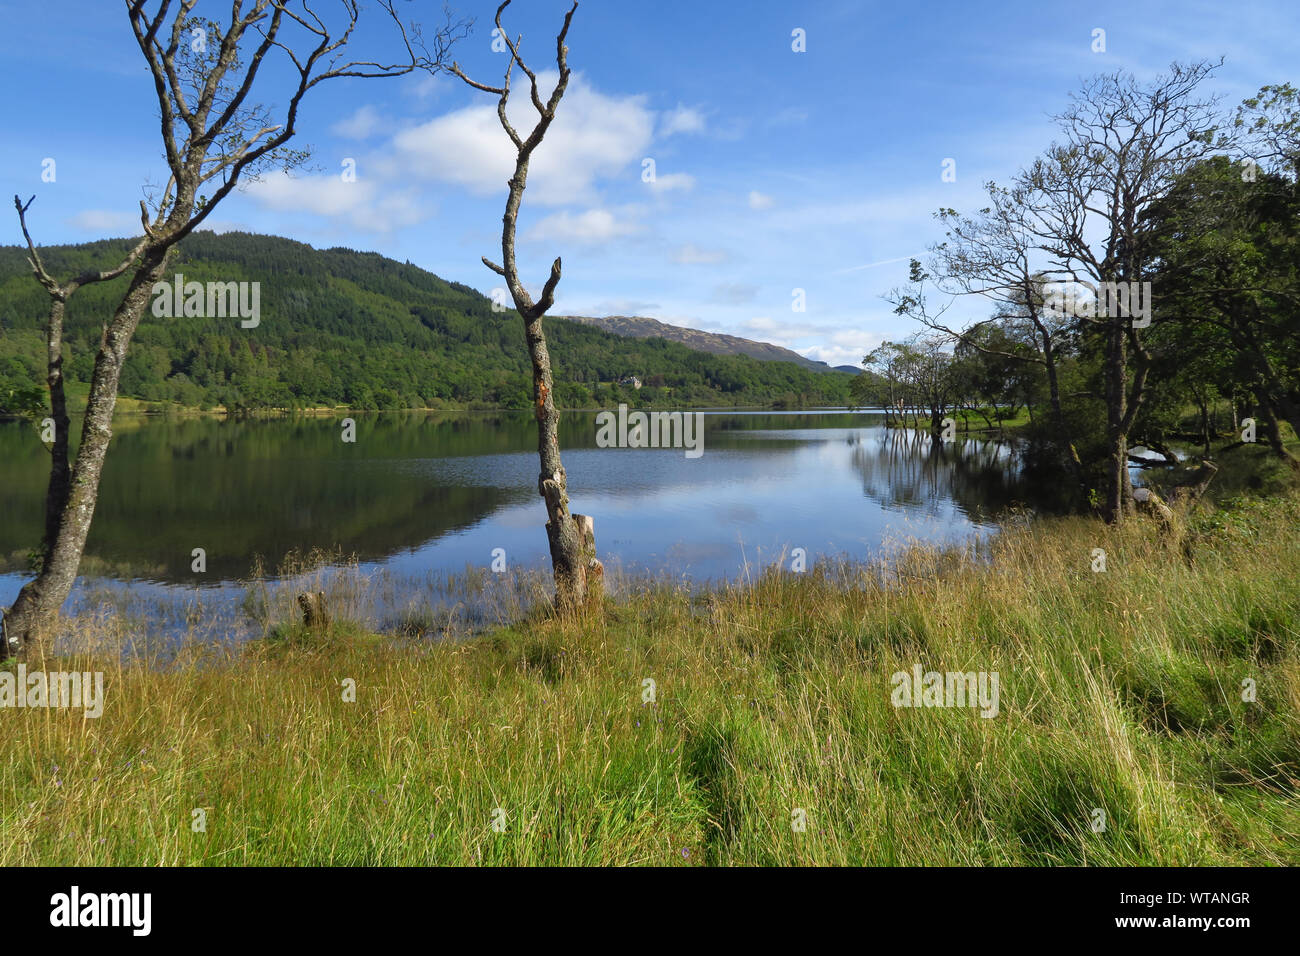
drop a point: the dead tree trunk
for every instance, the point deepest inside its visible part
(315, 614)
(572, 547)
(595, 570)
(1187, 495)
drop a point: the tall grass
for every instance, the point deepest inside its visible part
(1121, 692)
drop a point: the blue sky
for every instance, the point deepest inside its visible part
(775, 170)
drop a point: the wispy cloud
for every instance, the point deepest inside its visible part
(692, 255)
(362, 124)
(882, 262)
(734, 293)
(586, 228)
(684, 182)
(106, 222)
(683, 119)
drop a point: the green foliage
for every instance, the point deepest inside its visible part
(22, 391)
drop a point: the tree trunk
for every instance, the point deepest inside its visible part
(315, 612)
(1288, 411)
(1187, 495)
(1070, 452)
(1274, 400)
(1205, 425)
(561, 531)
(566, 538)
(56, 493)
(1273, 430)
(37, 606)
(1117, 482)
(595, 571)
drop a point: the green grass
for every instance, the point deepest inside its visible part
(1119, 691)
(973, 421)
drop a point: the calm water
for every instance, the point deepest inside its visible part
(438, 492)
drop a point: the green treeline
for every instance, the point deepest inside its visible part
(339, 327)
(1142, 296)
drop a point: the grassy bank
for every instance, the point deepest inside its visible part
(1120, 692)
(129, 410)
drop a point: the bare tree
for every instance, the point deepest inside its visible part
(1078, 216)
(1124, 145)
(578, 575)
(204, 72)
(992, 255)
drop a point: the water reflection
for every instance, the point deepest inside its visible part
(435, 493)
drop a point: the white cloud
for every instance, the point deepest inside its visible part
(106, 221)
(663, 184)
(847, 347)
(836, 354)
(594, 136)
(835, 345)
(592, 226)
(788, 331)
(359, 203)
(758, 200)
(692, 255)
(426, 85)
(683, 119)
(362, 124)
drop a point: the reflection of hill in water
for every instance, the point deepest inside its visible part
(242, 490)
(265, 488)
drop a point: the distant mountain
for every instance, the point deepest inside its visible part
(851, 369)
(715, 343)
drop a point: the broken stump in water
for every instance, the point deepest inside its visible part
(314, 613)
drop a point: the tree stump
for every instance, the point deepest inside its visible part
(1189, 494)
(595, 571)
(314, 612)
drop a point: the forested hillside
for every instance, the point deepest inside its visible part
(339, 327)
